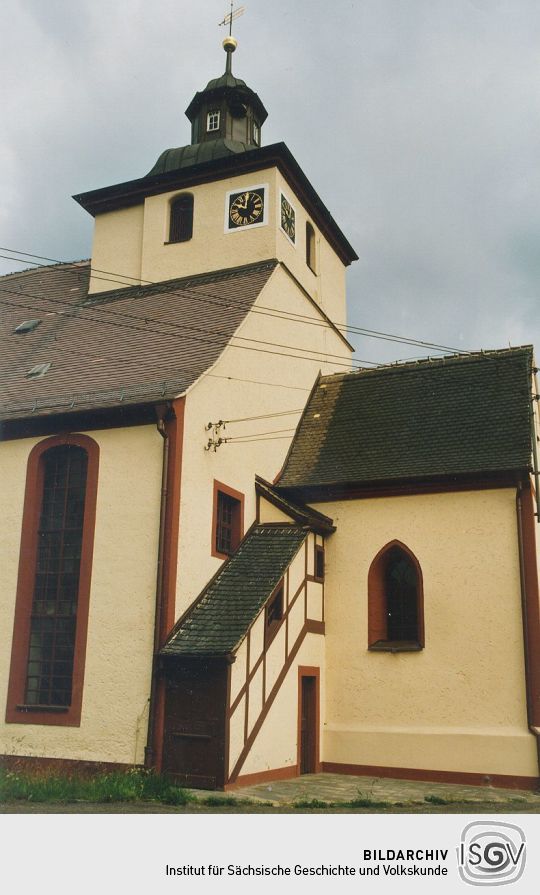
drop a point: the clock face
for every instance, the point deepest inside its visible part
(288, 218)
(246, 208)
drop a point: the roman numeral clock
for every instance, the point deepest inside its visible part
(246, 208)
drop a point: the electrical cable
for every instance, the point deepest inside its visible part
(81, 310)
(291, 315)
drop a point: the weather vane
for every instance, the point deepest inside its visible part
(233, 14)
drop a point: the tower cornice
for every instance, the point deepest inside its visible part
(134, 192)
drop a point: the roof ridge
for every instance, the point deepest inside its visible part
(422, 363)
(144, 289)
(17, 273)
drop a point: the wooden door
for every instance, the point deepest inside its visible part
(194, 740)
(308, 724)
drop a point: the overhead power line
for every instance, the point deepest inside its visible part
(112, 277)
(82, 311)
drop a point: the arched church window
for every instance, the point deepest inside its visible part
(395, 600)
(51, 614)
(310, 247)
(181, 220)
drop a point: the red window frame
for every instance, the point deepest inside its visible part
(237, 527)
(17, 712)
(377, 604)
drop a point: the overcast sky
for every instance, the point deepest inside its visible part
(417, 121)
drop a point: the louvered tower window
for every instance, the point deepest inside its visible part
(181, 221)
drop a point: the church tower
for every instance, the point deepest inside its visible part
(222, 201)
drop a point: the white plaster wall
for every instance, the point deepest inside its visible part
(133, 242)
(314, 601)
(327, 285)
(276, 745)
(275, 659)
(238, 670)
(236, 732)
(297, 571)
(244, 383)
(255, 698)
(460, 703)
(269, 513)
(122, 600)
(139, 235)
(311, 554)
(256, 640)
(117, 249)
(296, 617)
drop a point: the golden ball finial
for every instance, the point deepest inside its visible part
(230, 43)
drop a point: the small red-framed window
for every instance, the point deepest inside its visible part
(274, 612)
(227, 520)
(53, 587)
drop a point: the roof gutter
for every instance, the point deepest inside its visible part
(530, 606)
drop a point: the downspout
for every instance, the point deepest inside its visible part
(149, 751)
(532, 714)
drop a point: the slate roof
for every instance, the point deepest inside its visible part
(219, 619)
(197, 153)
(457, 415)
(134, 345)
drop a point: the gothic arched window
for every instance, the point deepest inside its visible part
(395, 600)
(51, 614)
(181, 218)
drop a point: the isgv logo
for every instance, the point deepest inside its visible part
(491, 854)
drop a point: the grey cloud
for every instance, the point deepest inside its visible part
(417, 122)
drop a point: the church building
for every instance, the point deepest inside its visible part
(229, 553)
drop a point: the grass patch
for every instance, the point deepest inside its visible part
(437, 800)
(132, 786)
(366, 802)
(311, 803)
(221, 801)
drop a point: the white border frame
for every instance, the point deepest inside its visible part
(293, 206)
(246, 189)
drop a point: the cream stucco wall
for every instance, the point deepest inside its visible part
(122, 600)
(133, 242)
(276, 743)
(459, 704)
(117, 249)
(245, 383)
(327, 284)
(270, 513)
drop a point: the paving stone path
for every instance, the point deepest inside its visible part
(344, 788)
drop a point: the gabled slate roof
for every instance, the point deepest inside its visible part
(134, 345)
(219, 619)
(456, 415)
